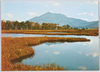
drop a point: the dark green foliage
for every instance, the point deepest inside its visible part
(83, 28)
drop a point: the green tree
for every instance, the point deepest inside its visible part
(68, 26)
(8, 25)
(83, 28)
(26, 24)
(22, 25)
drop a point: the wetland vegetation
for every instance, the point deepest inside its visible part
(49, 35)
(17, 49)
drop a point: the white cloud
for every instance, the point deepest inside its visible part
(96, 2)
(80, 4)
(94, 54)
(88, 2)
(31, 13)
(91, 14)
(46, 51)
(79, 52)
(86, 20)
(51, 45)
(79, 13)
(56, 52)
(56, 4)
(9, 15)
(87, 54)
(82, 68)
(46, 5)
(91, 2)
(51, 11)
(84, 13)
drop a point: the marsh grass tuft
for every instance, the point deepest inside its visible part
(14, 49)
(88, 32)
(36, 67)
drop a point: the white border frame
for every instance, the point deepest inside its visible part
(54, 0)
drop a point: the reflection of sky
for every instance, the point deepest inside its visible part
(76, 55)
(82, 68)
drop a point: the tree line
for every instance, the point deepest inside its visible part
(15, 25)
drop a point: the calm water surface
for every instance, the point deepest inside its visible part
(75, 55)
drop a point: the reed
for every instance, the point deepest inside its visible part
(46, 67)
(20, 48)
(88, 32)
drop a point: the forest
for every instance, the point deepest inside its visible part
(15, 25)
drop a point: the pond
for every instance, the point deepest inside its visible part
(39, 35)
(73, 56)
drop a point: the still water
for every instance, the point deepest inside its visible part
(73, 56)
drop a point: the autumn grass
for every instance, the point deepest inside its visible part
(88, 32)
(36, 67)
(20, 48)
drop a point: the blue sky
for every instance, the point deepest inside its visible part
(24, 10)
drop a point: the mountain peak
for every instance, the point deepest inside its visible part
(49, 12)
(62, 19)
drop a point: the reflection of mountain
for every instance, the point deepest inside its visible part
(63, 20)
(50, 44)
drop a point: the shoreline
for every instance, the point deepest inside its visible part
(89, 32)
(17, 48)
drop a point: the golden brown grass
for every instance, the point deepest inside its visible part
(20, 48)
(52, 66)
(89, 32)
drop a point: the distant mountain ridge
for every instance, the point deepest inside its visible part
(93, 24)
(63, 20)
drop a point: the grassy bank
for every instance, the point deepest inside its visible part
(20, 48)
(88, 32)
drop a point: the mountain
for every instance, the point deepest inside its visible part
(62, 20)
(93, 25)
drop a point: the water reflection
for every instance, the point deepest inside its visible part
(14, 61)
(39, 35)
(76, 55)
(73, 56)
